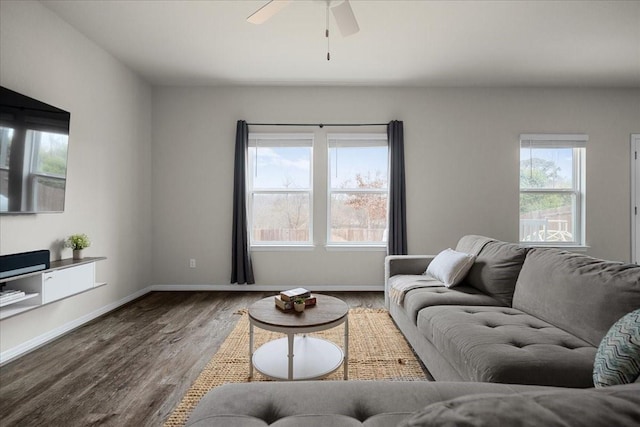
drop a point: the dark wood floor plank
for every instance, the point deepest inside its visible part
(132, 366)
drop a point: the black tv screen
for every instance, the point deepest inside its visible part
(34, 141)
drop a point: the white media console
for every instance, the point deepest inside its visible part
(64, 278)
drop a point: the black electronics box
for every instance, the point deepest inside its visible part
(23, 263)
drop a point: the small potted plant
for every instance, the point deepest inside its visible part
(299, 305)
(78, 242)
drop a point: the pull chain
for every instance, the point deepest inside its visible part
(326, 33)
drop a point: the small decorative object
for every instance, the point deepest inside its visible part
(292, 294)
(299, 305)
(78, 242)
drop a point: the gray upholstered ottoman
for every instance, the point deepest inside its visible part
(388, 403)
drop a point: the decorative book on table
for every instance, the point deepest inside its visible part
(288, 305)
(292, 294)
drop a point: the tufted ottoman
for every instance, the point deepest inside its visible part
(417, 403)
(330, 403)
(505, 345)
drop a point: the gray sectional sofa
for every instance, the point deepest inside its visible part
(521, 315)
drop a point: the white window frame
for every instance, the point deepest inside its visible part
(355, 140)
(578, 143)
(279, 140)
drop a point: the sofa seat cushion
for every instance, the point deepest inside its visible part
(505, 345)
(417, 299)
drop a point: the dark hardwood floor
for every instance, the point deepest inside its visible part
(130, 367)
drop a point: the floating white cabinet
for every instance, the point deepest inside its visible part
(65, 278)
(58, 284)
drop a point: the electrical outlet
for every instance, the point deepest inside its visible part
(192, 263)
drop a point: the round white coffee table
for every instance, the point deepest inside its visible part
(298, 356)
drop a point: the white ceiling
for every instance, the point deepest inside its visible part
(401, 43)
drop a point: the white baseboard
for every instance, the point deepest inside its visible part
(32, 344)
(266, 288)
(24, 348)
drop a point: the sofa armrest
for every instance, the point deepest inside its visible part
(403, 264)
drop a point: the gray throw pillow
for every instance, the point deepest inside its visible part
(496, 269)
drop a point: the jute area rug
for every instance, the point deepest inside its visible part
(377, 351)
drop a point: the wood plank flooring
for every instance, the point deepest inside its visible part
(130, 367)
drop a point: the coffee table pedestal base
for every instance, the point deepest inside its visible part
(312, 358)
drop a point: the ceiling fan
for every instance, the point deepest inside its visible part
(342, 12)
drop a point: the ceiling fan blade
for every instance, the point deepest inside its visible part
(345, 19)
(267, 11)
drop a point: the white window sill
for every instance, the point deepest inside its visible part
(572, 248)
(281, 248)
(329, 248)
(357, 248)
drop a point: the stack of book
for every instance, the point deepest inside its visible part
(10, 295)
(285, 300)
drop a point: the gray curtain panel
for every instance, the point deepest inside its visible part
(397, 239)
(241, 268)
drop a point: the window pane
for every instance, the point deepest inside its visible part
(6, 136)
(358, 167)
(280, 167)
(547, 217)
(49, 193)
(281, 217)
(358, 217)
(546, 168)
(51, 152)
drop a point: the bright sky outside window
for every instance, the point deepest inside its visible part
(280, 189)
(358, 189)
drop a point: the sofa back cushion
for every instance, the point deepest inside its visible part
(577, 293)
(496, 268)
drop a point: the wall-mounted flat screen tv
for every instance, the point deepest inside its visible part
(34, 141)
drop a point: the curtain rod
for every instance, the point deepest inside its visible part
(320, 125)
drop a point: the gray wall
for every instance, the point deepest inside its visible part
(109, 169)
(462, 169)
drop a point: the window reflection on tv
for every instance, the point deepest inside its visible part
(34, 140)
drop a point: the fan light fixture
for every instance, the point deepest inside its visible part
(343, 14)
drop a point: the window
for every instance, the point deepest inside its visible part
(40, 181)
(279, 188)
(552, 189)
(6, 136)
(48, 168)
(358, 189)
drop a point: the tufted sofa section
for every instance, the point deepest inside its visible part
(329, 403)
(496, 344)
(415, 404)
(521, 316)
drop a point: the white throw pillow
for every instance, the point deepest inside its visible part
(450, 267)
